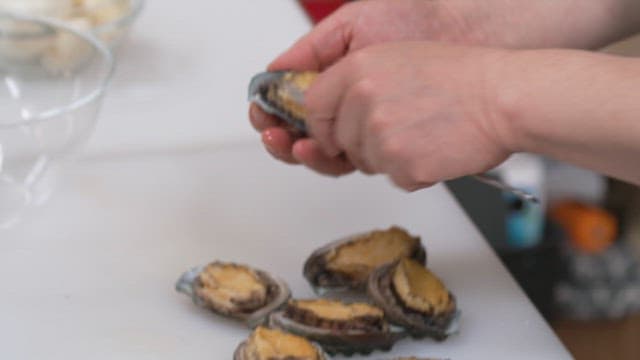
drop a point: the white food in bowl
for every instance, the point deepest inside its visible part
(101, 16)
(52, 8)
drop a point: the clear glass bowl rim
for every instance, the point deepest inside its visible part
(101, 48)
(136, 8)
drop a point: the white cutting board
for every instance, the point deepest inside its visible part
(91, 275)
(183, 74)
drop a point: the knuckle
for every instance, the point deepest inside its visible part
(364, 89)
(414, 172)
(391, 150)
(338, 170)
(334, 173)
(400, 182)
(378, 122)
(367, 170)
(419, 173)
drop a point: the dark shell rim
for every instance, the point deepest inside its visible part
(339, 342)
(395, 315)
(256, 86)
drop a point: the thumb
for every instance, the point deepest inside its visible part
(321, 47)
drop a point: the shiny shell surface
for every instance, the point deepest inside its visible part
(347, 263)
(338, 327)
(414, 298)
(273, 344)
(281, 93)
(234, 290)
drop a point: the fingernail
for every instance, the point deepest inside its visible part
(267, 140)
(267, 136)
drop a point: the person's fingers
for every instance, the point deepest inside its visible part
(407, 185)
(308, 152)
(323, 100)
(260, 119)
(349, 127)
(279, 143)
(321, 47)
(399, 169)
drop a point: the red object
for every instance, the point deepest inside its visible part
(319, 9)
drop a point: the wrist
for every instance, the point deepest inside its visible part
(506, 102)
(548, 100)
(575, 106)
(575, 24)
(528, 87)
(527, 92)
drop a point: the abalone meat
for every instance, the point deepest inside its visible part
(234, 290)
(347, 263)
(273, 344)
(414, 298)
(281, 93)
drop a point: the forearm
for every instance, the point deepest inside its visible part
(579, 24)
(576, 106)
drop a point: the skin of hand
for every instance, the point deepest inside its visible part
(504, 23)
(423, 112)
(419, 112)
(576, 106)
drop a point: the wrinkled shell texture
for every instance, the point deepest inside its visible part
(281, 93)
(231, 288)
(349, 329)
(389, 264)
(288, 92)
(419, 322)
(235, 291)
(338, 316)
(347, 263)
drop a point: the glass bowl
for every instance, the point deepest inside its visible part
(52, 80)
(115, 29)
(109, 20)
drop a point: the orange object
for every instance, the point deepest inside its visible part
(589, 228)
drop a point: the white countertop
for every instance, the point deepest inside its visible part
(182, 78)
(175, 177)
(91, 275)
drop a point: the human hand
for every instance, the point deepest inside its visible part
(493, 22)
(350, 28)
(418, 112)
